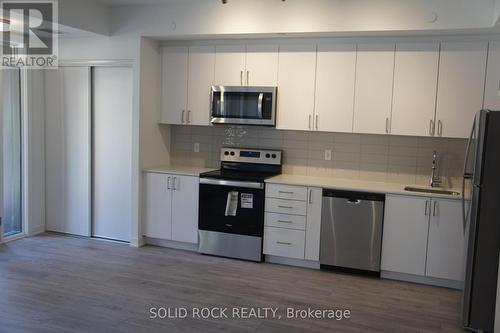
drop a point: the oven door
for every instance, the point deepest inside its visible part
(243, 105)
(231, 207)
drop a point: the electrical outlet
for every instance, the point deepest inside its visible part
(196, 147)
(328, 155)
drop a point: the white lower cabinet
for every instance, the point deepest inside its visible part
(423, 237)
(292, 221)
(171, 207)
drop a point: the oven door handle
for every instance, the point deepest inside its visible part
(234, 183)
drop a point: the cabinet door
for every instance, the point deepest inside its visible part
(185, 209)
(200, 79)
(157, 206)
(262, 65)
(492, 92)
(404, 245)
(313, 224)
(230, 65)
(174, 84)
(415, 88)
(460, 88)
(373, 94)
(335, 76)
(445, 254)
(296, 78)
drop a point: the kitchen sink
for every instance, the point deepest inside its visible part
(431, 191)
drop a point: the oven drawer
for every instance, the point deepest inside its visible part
(284, 242)
(286, 192)
(286, 206)
(285, 221)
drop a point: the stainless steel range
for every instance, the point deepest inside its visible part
(231, 205)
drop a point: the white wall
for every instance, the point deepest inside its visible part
(87, 15)
(209, 18)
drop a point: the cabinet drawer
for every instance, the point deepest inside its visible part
(286, 206)
(284, 242)
(286, 192)
(285, 221)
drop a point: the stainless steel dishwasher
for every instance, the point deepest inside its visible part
(351, 231)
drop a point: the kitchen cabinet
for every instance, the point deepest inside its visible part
(187, 75)
(424, 237)
(335, 79)
(404, 241)
(201, 73)
(446, 247)
(462, 70)
(292, 221)
(250, 65)
(171, 207)
(296, 80)
(373, 92)
(313, 227)
(230, 64)
(174, 84)
(492, 89)
(415, 89)
(262, 65)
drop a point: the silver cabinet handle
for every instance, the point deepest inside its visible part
(440, 128)
(426, 206)
(248, 78)
(283, 243)
(182, 116)
(387, 125)
(241, 78)
(175, 184)
(310, 197)
(286, 207)
(317, 117)
(286, 192)
(168, 183)
(431, 128)
(189, 117)
(310, 117)
(434, 208)
(282, 221)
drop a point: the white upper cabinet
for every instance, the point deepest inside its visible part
(262, 65)
(446, 248)
(373, 94)
(174, 84)
(230, 63)
(415, 87)
(492, 91)
(200, 79)
(335, 76)
(296, 79)
(404, 244)
(462, 70)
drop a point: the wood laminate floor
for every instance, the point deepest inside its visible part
(54, 283)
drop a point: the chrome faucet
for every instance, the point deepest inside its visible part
(435, 179)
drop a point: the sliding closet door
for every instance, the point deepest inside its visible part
(67, 149)
(112, 152)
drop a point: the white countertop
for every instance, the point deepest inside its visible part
(181, 170)
(354, 185)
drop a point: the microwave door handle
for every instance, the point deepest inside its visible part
(259, 105)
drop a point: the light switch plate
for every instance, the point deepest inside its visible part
(196, 147)
(328, 155)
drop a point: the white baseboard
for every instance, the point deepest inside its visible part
(171, 244)
(292, 262)
(422, 280)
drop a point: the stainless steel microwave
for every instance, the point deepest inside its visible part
(243, 105)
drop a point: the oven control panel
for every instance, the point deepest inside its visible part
(260, 156)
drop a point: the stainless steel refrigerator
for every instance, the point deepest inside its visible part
(482, 171)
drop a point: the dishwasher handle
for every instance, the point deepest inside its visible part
(353, 197)
(353, 201)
